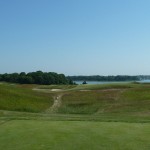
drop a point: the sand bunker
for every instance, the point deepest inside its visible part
(110, 90)
(53, 90)
(56, 90)
(38, 89)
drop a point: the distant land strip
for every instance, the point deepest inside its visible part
(109, 78)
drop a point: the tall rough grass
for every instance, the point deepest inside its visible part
(18, 98)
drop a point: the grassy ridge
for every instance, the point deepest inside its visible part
(23, 98)
(128, 98)
(88, 102)
(63, 87)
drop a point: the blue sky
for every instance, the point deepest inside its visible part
(75, 37)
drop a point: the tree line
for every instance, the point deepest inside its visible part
(37, 77)
(104, 78)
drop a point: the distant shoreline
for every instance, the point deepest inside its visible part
(109, 82)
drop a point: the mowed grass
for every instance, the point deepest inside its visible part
(73, 135)
(23, 98)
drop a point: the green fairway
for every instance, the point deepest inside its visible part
(73, 135)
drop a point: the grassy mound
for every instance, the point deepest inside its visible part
(119, 99)
(23, 98)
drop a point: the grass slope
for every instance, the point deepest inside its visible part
(23, 98)
(106, 99)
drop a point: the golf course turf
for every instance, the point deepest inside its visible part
(80, 117)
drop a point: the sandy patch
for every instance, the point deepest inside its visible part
(35, 89)
(56, 104)
(56, 90)
(52, 90)
(110, 90)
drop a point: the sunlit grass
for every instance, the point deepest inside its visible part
(73, 135)
(16, 97)
(115, 102)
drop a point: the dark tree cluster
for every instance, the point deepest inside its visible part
(144, 77)
(37, 77)
(104, 78)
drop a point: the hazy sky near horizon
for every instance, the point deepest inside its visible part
(75, 37)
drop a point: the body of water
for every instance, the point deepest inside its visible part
(109, 82)
(144, 81)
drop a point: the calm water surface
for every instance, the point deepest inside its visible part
(109, 82)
